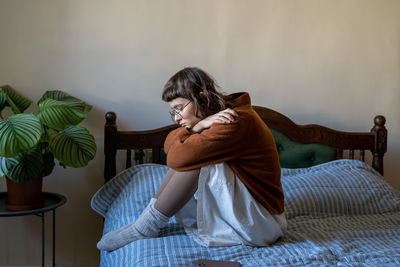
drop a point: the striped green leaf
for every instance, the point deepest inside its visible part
(19, 133)
(64, 97)
(73, 146)
(6, 165)
(58, 114)
(17, 102)
(3, 100)
(30, 164)
(48, 158)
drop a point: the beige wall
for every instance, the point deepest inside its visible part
(335, 63)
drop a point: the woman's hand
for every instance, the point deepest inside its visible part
(225, 116)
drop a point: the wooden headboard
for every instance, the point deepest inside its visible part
(375, 140)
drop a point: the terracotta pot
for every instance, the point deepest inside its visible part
(25, 196)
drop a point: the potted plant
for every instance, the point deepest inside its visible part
(30, 143)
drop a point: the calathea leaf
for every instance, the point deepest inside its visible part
(48, 158)
(6, 165)
(17, 102)
(73, 146)
(57, 114)
(30, 164)
(19, 133)
(3, 100)
(64, 97)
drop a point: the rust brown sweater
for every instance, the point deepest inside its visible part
(246, 145)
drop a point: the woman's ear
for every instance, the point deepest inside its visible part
(202, 94)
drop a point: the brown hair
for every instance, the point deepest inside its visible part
(189, 83)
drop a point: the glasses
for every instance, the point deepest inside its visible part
(178, 112)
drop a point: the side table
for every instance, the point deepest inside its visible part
(51, 202)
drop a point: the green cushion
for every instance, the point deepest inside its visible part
(163, 156)
(296, 155)
(292, 154)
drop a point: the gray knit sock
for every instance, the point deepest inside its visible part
(146, 226)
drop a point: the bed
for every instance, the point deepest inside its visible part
(339, 208)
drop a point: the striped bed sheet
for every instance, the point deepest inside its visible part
(341, 213)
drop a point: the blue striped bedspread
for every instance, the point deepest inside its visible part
(340, 213)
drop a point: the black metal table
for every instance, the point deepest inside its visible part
(51, 202)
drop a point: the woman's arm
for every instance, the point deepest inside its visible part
(218, 143)
(173, 136)
(225, 116)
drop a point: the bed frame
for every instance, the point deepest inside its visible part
(141, 141)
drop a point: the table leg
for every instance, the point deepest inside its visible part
(54, 237)
(43, 239)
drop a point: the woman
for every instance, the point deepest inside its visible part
(226, 154)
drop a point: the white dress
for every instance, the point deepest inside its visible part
(223, 212)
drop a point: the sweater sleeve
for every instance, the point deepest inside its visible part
(219, 143)
(178, 134)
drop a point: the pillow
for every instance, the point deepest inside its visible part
(125, 196)
(134, 186)
(340, 187)
(296, 155)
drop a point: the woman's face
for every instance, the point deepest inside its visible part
(183, 112)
